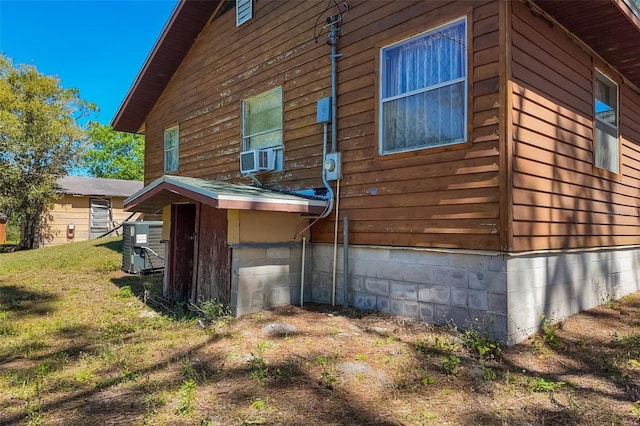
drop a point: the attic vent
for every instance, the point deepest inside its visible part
(244, 11)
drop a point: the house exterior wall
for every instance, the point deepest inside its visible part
(440, 197)
(512, 225)
(248, 226)
(75, 209)
(269, 275)
(560, 200)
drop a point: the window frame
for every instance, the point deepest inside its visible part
(171, 151)
(277, 148)
(464, 80)
(600, 76)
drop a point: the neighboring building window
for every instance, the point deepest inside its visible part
(244, 11)
(607, 146)
(262, 120)
(171, 144)
(100, 217)
(423, 84)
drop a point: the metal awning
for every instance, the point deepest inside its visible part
(223, 195)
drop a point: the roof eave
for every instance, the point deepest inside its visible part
(610, 27)
(165, 191)
(186, 22)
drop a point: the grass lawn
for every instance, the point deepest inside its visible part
(82, 343)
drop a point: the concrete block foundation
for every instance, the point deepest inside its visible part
(506, 295)
(264, 276)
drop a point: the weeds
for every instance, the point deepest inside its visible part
(258, 369)
(327, 377)
(480, 344)
(211, 310)
(427, 380)
(488, 375)
(539, 384)
(125, 292)
(187, 394)
(450, 364)
(258, 404)
(549, 336)
(438, 345)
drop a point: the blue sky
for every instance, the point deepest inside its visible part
(95, 46)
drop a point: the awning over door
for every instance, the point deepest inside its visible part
(223, 195)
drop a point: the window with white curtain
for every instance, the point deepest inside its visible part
(607, 144)
(423, 90)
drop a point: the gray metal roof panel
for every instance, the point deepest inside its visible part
(81, 185)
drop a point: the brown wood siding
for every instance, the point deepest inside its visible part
(446, 197)
(559, 199)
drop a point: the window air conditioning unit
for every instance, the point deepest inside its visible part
(257, 160)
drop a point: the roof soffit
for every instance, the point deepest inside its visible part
(610, 27)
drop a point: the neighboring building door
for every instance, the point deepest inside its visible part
(100, 216)
(183, 228)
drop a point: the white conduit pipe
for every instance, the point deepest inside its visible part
(304, 247)
(327, 211)
(335, 245)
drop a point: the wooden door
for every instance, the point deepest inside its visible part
(213, 256)
(183, 221)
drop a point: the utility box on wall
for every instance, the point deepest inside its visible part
(142, 250)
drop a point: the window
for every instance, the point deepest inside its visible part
(244, 11)
(606, 146)
(99, 217)
(262, 124)
(171, 143)
(423, 84)
(262, 120)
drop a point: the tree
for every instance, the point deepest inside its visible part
(114, 155)
(40, 138)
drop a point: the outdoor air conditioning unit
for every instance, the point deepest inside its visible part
(257, 160)
(142, 250)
